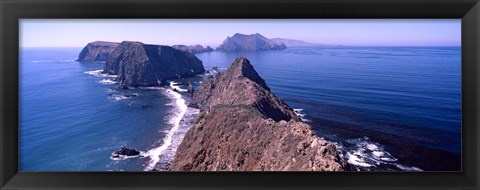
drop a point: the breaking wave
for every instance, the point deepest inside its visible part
(364, 154)
(180, 111)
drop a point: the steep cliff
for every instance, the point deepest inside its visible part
(193, 49)
(138, 64)
(97, 51)
(244, 127)
(253, 42)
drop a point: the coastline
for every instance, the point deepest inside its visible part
(181, 120)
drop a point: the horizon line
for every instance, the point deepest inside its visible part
(287, 46)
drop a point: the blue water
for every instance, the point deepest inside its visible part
(386, 108)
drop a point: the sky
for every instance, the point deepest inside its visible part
(347, 32)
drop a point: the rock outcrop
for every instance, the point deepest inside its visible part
(137, 64)
(190, 89)
(253, 42)
(97, 51)
(240, 84)
(193, 49)
(242, 126)
(126, 152)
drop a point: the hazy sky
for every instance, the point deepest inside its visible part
(357, 32)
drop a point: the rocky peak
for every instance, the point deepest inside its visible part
(240, 84)
(241, 67)
(242, 126)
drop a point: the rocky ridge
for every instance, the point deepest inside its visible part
(243, 126)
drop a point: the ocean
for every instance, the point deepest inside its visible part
(386, 108)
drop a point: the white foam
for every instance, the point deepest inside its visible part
(119, 97)
(366, 153)
(408, 168)
(299, 112)
(356, 159)
(174, 85)
(363, 152)
(107, 81)
(155, 153)
(371, 146)
(99, 73)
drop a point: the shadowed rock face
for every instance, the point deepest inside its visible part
(253, 42)
(193, 49)
(97, 51)
(138, 64)
(244, 127)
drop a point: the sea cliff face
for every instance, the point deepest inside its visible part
(253, 42)
(193, 48)
(97, 51)
(137, 64)
(244, 127)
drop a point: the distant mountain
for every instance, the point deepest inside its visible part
(193, 48)
(252, 42)
(294, 43)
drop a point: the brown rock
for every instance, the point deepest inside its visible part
(241, 85)
(244, 127)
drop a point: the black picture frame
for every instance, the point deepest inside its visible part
(13, 10)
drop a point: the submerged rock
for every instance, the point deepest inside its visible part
(242, 126)
(137, 64)
(193, 49)
(253, 42)
(97, 51)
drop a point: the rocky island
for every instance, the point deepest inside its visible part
(137, 64)
(193, 49)
(253, 42)
(243, 126)
(97, 51)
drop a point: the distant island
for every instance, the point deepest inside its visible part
(193, 48)
(252, 42)
(295, 43)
